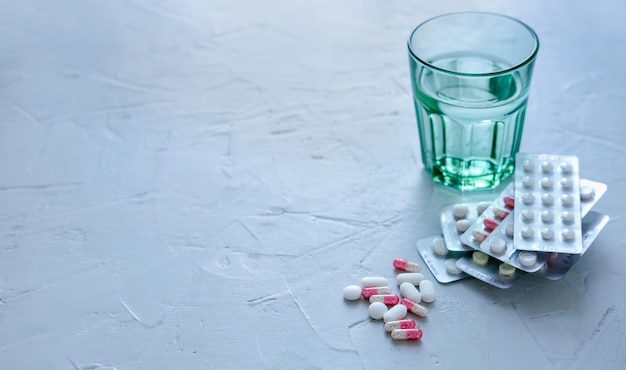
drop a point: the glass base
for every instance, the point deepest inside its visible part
(471, 183)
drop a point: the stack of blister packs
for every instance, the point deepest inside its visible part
(540, 224)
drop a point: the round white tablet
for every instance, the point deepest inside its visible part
(377, 310)
(451, 266)
(352, 292)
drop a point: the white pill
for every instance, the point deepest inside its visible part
(528, 198)
(547, 234)
(397, 312)
(410, 277)
(462, 225)
(566, 167)
(427, 289)
(497, 245)
(546, 183)
(438, 246)
(481, 207)
(568, 235)
(508, 229)
(459, 211)
(547, 167)
(527, 182)
(547, 199)
(352, 292)
(527, 233)
(373, 281)
(479, 235)
(527, 215)
(567, 183)
(586, 192)
(377, 310)
(527, 259)
(528, 165)
(547, 217)
(451, 267)
(567, 199)
(567, 217)
(409, 291)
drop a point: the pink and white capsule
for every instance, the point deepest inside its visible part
(387, 299)
(368, 292)
(407, 334)
(415, 308)
(405, 265)
(400, 324)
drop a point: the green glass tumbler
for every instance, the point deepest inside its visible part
(470, 74)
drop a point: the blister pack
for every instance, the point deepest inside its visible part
(456, 219)
(440, 261)
(500, 244)
(547, 217)
(483, 267)
(488, 220)
(558, 264)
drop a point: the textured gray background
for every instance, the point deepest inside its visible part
(190, 184)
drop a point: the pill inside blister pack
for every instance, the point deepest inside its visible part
(456, 219)
(547, 216)
(440, 260)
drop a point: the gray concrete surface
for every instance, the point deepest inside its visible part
(191, 184)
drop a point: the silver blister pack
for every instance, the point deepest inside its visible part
(489, 271)
(441, 264)
(456, 219)
(547, 202)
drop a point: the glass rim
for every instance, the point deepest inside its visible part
(514, 67)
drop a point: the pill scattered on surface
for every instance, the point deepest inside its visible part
(409, 291)
(368, 292)
(480, 258)
(497, 245)
(586, 192)
(506, 270)
(395, 313)
(414, 308)
(374, 281)
(410, 277)
(352, 292)
(438, 246)
(387, 299)
(462, 225)
(377, 310)
(459, 210)
(405, 265)
(427, 289)
(406, 334)
(481, 207)
(527, 259)
(451, 267)
(400, 324)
